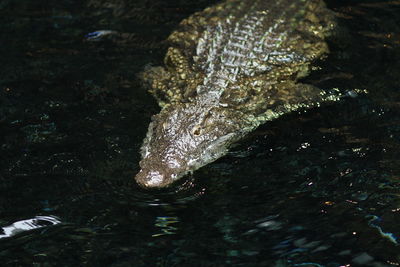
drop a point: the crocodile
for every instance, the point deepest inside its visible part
(228, 69)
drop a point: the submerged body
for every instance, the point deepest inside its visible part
(229, 69)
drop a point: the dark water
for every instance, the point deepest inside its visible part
(315, 188)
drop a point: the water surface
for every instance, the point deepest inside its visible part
(315, 188)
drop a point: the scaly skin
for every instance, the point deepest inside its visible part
(229, 69)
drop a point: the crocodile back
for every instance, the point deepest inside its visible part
(237, 39)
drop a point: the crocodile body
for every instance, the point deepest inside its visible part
(230, 68)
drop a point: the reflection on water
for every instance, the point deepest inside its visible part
(375, 221)
(315, 188)
(27, 225)
(167, 225)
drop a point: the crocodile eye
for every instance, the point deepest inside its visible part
(196, 130)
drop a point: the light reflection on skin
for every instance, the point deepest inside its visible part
(27, 225)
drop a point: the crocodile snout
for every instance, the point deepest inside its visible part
(150, 178)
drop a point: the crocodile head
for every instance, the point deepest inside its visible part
(184, 137)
